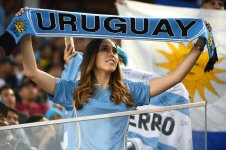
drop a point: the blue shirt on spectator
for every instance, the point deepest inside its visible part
(101, 134)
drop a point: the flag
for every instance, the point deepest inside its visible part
(156, 130)
(163, 57)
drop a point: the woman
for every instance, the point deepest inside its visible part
(100, 90)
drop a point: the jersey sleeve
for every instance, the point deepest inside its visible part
(64, 93)
(140, 92)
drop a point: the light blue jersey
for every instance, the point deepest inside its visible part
(102, 134)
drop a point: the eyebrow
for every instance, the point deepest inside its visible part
(106, 46)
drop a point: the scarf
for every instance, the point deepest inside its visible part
(53, 23)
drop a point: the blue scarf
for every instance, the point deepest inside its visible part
(52, 23)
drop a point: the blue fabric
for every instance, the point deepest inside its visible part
(42, 22)
(122, 54)
(71, 74)
(180, 3)
(107, 133)
(167, 98)
(51, 112)
(215, 140)
(153, 142)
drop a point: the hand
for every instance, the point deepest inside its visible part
(22, 10)
(201, 41)
(69, 52)
(208, 26)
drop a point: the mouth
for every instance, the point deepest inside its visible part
(111, 60)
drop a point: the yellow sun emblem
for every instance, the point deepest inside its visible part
(20, 26)
(210, 39)
(197, 79)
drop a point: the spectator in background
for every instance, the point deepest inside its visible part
(7, 140)
(43, 137)
(7, 72)
(213, 4)
(45, 53)
(55, 70)
(13, 119)
(28, 94)
(19, 70)
(8, 96)
(3, 114)
(12, 116)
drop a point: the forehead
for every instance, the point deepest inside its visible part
(107, 42)
(214, 1)
(12, 113)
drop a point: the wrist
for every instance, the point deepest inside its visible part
(201, 42)
(199, 47)
(66, 62)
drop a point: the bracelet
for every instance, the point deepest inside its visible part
(199, 47)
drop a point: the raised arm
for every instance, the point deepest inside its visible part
(42, 79)
(69, 51)
(161, 84)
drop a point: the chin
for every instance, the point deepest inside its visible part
(111, 69)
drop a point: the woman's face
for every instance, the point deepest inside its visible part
(107, 57)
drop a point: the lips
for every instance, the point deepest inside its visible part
(111, 60)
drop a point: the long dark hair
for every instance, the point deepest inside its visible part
(119, 92)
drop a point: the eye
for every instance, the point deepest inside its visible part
(104, 49)
(115, 51)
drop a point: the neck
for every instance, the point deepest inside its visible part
(102, 78)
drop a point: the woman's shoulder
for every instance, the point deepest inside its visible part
(131, 82)
(65, 82)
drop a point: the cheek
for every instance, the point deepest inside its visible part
(99, 60)
(117, 58)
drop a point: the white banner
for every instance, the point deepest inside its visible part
(158, 130)
(163, 57)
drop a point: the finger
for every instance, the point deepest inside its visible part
(67, 48)
(73, 54)
(21, 10)
(70, 49)
(25, 8)
(18, 13)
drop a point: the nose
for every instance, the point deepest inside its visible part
(111, 52)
